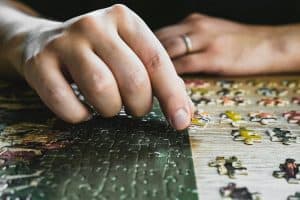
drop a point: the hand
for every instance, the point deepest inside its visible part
(224, 47)
(114, 59)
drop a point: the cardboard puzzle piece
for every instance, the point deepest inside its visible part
(233, 101)
(262, 117)
(292, 117)
(231, 92)
(228, 84)
(231, 166)
(272, 92)
(200, 101)
(296, 196)
(232, 192)
(296, 100)
(290, 170)
(246, 135)
(272, 102)
(200, 119)
(284, 136)
(231, 117)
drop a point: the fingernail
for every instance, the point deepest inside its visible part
(180, 119)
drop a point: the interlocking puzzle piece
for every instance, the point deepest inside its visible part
(203, 101)
(231, 166)
(296, 196)
(232, 192)
(292, 117)
(262, 117)
(228, 84)
(246, 135)
(284, 136)
(200, 119)
(239, 101)
(296, 100)
(232, 117)
(230, 92)
(271, 92)
(290, 170)
(272, 102)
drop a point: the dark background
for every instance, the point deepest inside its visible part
(164, 12)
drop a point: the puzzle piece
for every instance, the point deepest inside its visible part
(200, 119)
(272, 102)
(228, 84)
(246, 135)
(284, 136)
(296, 100)
(203, 101)
(272, 92)
(290, 170)
(291, 83)
(292, 117)
(232, 117)
(232, 192)
(230, 92)
(262, 117)
(231, 166)
(239, 101)
(198, 83)
(296, 196)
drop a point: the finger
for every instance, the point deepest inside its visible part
(172, 31)
(130, 73)
(47, 79)
(176, 46)
(164, 80)
(200, 62)
(94, 79)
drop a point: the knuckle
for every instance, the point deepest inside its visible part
(101, 86)
(139, 82)
(193, 16)
(87, 22)
(56, 94)
(120, 10)
(154, 62)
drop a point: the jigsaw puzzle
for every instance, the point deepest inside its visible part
(232, 192)
(290, 170)
(248, 136)
(284, 136)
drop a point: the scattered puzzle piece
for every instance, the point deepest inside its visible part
(292, 117)
(231, 166)
(230, 92)
(246, 135)
(262, 117)
(296, 100)
(227, 101)
(290, 170)
(228, 84)
(296, 196)
(200, 119)
(272, 102)
(232, 117)
(231, 192)
(284, 136)
(203, 101)
(272, 92)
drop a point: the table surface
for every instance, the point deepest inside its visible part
(127, 158)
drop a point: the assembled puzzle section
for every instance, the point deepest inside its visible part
(119, 158)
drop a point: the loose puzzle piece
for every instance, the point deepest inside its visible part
(290, 170)
(284, 136)
(292, 117)
(200, 119)
(262, 117)
(272, 92)
(230, 92)
(228, 84)
(231, 166)
(296, 196)
(232, 192)
(296, 100)
(238, 101)
(200, 101)
(272, 102)
(246, 135)
(232, 117)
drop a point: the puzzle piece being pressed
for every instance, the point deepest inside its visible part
(271, 92)
(296, 196)
(292, 117)
(272, 102)
(290, 170)
(231, 166)
(284, 136)
(262, 117)
(232, 192)
(246, 135)
(232, 117)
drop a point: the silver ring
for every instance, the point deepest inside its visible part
(188, 43)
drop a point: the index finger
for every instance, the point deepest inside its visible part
(166, 84)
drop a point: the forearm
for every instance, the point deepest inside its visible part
(16, 21)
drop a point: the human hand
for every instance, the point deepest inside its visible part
(114, 59)
(224, 47)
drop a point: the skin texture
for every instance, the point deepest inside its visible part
(228, 48)
(110, 54)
